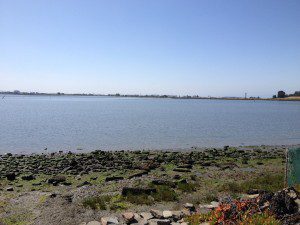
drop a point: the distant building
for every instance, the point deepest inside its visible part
(297, 93)
(281, 94)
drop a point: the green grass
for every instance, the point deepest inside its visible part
(103, 202)
(163, 194)
(16, 219)
(267, 182)
(98, 202)
(186, 187)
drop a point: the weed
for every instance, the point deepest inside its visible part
(186, 187)
(163, 194)
(268, 182)
(97, 202)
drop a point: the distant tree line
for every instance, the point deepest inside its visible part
(282, 94)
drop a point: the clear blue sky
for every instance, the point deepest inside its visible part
(217, 48)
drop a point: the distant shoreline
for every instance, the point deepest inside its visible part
(293, 98)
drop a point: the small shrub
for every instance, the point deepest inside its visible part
(260, 219)
(231, 187)
(163, 194)
(98, 202)
(196, 219)
(268, 182)
(186, 187)
(210, 196)
(141, 199)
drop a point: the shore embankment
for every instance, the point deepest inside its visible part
(83, 187)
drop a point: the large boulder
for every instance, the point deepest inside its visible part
(10, 176)
(137, 191)
(56, 179)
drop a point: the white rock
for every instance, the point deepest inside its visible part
(94, 223)
(146, 215)
(188, 205)
(215, 204)
(167, 214)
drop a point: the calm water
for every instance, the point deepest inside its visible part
(32, 123)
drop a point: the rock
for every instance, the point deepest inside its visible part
(109, 220)
(9, 189)
(206, 208)
(136, 191)
(10, 176)
(56, 180)
(128, 217)
(177, 177)
(186, 212)
(177, 215)
(157, 214)
(163, 182)
(215, 204)
(138, 174)
(282, 204)
(137, 217)
(297, 201)
(94, 223)
(189, 206)
(167, 214)
(292, 193)
(53, 195)
(68, 197)
(84, 183)
(113, 178)
(183, 170)
(159, 222)
(83, 223)
(146, 215)
(28, 177)
(251, 196)
(186, 166)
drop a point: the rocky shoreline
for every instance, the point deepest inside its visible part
(84, 187)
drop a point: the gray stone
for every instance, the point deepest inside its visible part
(109, 220)
(157, 214)
(188, 205)
(9, 189)
(146, 215)
(159, 222)
(177, 215)
(94, 223)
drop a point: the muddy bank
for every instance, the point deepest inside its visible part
(69, 188)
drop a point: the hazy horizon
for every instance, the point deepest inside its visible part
(205, 48)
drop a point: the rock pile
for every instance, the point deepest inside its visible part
(154, 217)
(99, 161)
